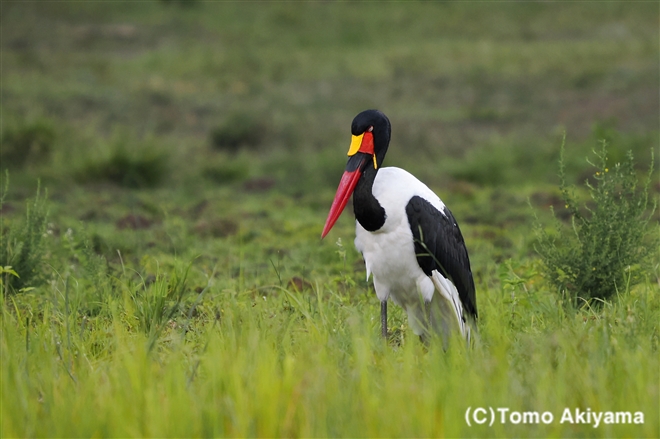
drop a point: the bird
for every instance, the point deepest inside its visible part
(410, 241)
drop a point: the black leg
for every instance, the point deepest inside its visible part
(383, 318)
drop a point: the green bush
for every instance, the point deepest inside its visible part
(239, 130)
(608, 246)
(128, 164)
(22, 246)
(26, 141)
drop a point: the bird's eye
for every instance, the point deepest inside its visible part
(370, 129)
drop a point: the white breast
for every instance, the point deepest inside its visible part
(389, 252)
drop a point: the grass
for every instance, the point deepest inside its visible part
(184, 289)
(277, 362)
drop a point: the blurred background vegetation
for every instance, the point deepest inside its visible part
(155, 124)
(479, 94)
(186, 155)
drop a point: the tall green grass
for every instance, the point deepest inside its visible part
(278, 362)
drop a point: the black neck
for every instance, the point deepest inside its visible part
(369, 213)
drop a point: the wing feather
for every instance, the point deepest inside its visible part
(439, 245)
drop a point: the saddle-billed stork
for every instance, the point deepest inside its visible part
(410, 241)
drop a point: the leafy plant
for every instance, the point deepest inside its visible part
(22, 247)
(608, 244)
(5, 272)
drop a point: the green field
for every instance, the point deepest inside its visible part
(176, 162)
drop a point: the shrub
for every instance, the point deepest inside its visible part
(25, 141)
(22, 247)
(129, 165)
(239, 130)
(605, 250)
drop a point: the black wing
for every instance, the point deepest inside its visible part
(439, 246)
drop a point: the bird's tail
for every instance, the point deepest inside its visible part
(446, 314)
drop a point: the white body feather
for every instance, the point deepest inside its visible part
(389, 255)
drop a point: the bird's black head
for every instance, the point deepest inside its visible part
(371, 137)
(376, 123)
